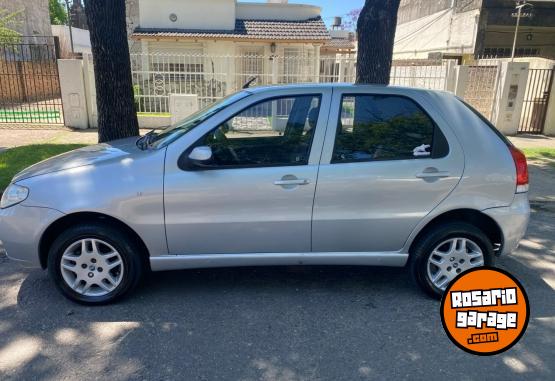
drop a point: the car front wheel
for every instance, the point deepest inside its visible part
(95, 263)
(447, 251)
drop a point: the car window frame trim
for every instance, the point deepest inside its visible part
(350, 94)
(185, 164)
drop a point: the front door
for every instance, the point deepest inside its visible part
(256, 193)
(386, 164)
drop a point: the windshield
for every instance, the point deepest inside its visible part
(169, 134)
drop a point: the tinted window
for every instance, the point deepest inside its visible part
(272, 133)
(385, 127)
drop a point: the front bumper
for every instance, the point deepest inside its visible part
(21, 228)
(513, 221)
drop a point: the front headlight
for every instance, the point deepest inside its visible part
(13, 195)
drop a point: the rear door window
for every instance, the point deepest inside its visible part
(385, 127)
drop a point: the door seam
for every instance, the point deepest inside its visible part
(318, 170)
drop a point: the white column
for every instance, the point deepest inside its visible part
(450, 76)
(90, 90)
(182, 105)
(73, 93)
(461, 80)
(317, 63)
(341, 70)
(510, 96)
(275, 70)
(549, 127)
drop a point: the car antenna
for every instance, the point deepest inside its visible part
(249, 82)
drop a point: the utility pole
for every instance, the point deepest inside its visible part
(519, 8)
(70, 31)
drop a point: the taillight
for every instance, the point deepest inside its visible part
(521, 170)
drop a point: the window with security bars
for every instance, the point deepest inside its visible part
(250, 64)
(179, 71)
(503, 52)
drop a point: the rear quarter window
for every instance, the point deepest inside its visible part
(487, 123)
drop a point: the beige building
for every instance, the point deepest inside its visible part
(225, 27)
(34, 19)
(463, 28)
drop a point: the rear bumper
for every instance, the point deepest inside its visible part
(513, 221)
(21, 228)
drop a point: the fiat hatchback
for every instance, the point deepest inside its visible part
(294, 175)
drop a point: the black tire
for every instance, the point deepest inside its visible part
(129, 251)
(422, 250)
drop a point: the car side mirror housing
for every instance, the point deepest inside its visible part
(200, 155)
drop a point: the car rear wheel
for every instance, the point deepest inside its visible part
(447, 251)
(95, 263)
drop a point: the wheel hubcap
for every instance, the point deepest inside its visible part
(452, 257)
(92, 267)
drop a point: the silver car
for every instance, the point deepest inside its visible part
(292, 175)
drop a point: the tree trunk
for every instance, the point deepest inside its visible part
(117, 117)
(376, 33)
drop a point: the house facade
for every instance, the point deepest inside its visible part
(473, 28)
(256, 35)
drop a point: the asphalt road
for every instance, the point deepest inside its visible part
(293, 323)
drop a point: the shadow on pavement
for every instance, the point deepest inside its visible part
(286, 323)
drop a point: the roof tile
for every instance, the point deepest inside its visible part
(311, 29)
(339, 43)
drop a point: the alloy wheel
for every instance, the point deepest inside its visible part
(92, 267)
(452, 257)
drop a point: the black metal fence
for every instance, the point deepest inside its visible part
(29, 81)
(536, 100)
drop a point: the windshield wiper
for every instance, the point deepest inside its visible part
(145, 141)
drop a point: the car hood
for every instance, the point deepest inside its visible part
(91, 155)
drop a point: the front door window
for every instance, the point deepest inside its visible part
(277, 132)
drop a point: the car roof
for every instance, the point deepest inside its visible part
(340, 86)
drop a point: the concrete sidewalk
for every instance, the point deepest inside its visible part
(533, 141)
(16, 137)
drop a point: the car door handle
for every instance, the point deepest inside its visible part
(432, 174)
(292, 182)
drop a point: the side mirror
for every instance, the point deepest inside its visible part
(200, 155)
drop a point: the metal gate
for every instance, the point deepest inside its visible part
(536, 100)
(29, 81)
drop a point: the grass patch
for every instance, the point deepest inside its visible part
(22, 116)
(16, 159)
(546, 155)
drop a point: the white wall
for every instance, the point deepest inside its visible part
(339, 33)
(73, 93)
(191, 14)
(81, 38)
(269, 11)
(33, 20)
(444, 31)
(549, 128)
(510, 96)
(535, 62)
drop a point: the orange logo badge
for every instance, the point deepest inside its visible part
(485, 311)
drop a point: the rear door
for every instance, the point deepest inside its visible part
(386, 163)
